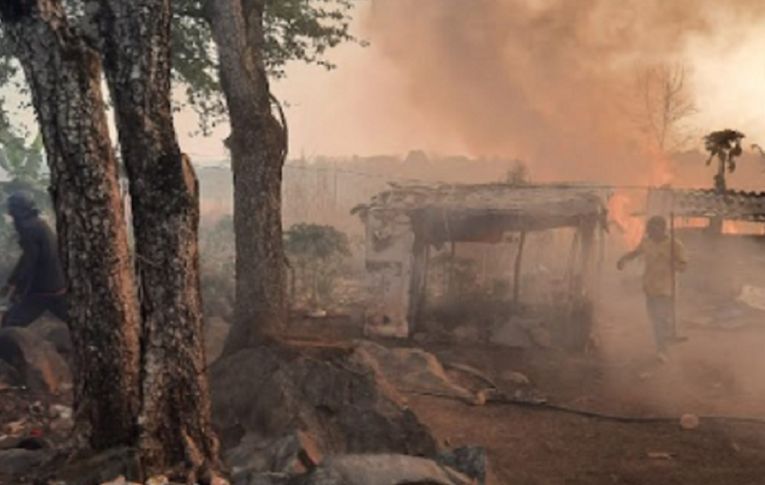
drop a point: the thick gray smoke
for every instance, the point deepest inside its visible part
(550, 81)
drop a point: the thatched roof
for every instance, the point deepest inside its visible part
(481, 212)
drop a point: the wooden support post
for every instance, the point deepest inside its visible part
(452, 254)
(517, 270)
(672, 272)
(417, 284)
(571, 263)
(587, 230)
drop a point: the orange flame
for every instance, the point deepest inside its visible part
(631, 227)
(661, 167)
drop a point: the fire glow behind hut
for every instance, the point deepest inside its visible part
(404, 223)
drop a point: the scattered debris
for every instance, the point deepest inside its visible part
(383, 469)
(660, 455)
(516, 378)
(158, 480)
(121, 480)
(15, 428)
(689, 421)
(316, 313)
(60, 411)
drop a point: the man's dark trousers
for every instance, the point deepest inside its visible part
(30, 307)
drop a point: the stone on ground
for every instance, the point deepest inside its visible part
(326, 391)
(382, 469)
(470, 460)
(102, 467)
(17, 463)
(411, 370)
(295, 453)
(55, 332)
(39, 365)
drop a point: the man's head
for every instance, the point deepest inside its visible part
(21, 205)
(656, 228)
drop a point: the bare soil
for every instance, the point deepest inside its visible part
(715, 373)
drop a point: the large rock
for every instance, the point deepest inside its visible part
(39, 365)
(102, 467)
(327, 391)
(9, 376)
(295, 453)
(411, 370)
(470, 460)
(18, 463)
(56, 332)
(383, 469)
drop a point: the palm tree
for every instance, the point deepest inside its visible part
(726, 146)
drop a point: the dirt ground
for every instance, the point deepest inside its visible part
(714, 373)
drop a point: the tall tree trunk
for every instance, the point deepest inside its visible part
(175, 422)
(257, 145)
(64, 75)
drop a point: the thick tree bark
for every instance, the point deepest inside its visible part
(257, 145)
(64, 75)
(175, 415)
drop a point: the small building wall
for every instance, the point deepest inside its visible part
(389, 261)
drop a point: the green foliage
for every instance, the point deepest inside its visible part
(217, 264)
(316, 242)
(295, 30)
(303, 30)
(23, 163)
(316, 253)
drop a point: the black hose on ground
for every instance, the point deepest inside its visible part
(541, 405)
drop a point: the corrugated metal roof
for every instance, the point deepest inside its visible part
(731, 205)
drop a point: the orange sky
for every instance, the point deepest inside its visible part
(364, 107)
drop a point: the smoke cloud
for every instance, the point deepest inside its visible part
(552, 82)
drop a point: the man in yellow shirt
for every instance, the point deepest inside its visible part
(662, 260)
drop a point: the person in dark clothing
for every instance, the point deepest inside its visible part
(37, 283)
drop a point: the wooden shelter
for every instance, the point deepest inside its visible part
(403, 223)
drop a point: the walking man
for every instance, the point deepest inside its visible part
(663, 257)
(37, 283)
